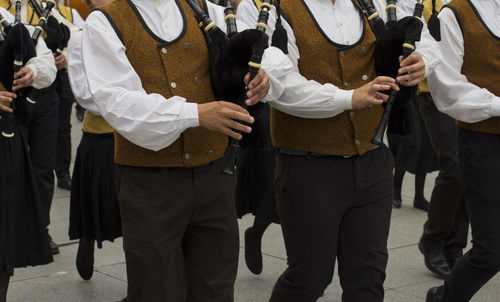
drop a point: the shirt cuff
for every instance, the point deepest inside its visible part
(495, 107)
(343, 99)
(190, 115)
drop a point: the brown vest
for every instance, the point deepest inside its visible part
(347, 67)
(481, 59)
(172, 68)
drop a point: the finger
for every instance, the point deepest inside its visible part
(238, 126)
(227, 131)
(383, 79)
(381, 87)
(381, 96)
(414, 68)
(234, 107)
(411, 83)
(410, 60)
(235, 115)
(5, 99)
(6, 109)
(246, 78)
(7, 94)
(256, 81)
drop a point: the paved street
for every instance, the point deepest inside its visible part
(407, 278)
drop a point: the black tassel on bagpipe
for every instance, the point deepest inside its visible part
(15, 51)
(231, 59)
(393, 39)
(57, 34)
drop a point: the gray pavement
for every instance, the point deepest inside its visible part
(407, 278)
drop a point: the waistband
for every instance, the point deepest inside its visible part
(294, 152)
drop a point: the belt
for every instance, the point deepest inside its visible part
(294, 152)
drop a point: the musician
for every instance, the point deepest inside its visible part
(334, 188)
(445, 231)
(42, 128)
(70, 18)
(147, 68)
(94, 213)
(465, 86)
(23, 236)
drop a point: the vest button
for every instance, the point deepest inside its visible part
(173, 84)
(364, 77)
(196, 80)
(187, 45)
(164, 51)
(346, 84)
(351, 114)
(341, 53)
(357, 142)
(363, 49)
(187, 156)
(210, 153)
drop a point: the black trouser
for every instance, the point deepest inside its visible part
(334, 207)
(180, 233)
(479, 156)
(66, 100)
(447, 223)
(42, 139)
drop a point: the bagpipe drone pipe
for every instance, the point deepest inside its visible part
(233, 55)
(16, 50)
(57, 34)
(393, 39)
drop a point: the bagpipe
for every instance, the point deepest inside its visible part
(15, 51)
(57, 34)
(233, 55)
(393, 39)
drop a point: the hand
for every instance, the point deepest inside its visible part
(412, 70)
(23, 78)
(6, 96)
(258, 88)
(61, 61)
(224, 117)
(369, 93)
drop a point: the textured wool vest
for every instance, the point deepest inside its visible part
(481, 59)
(179, 67)
(325, 61)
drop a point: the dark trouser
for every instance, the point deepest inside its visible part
(447, 223)
(66, 100)
(334, 207)
(479, 155)
(42, 140)
(180, 233)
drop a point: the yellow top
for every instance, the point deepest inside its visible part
(423, 86)
(95, 124)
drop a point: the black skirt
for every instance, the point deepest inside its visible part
(23, 236)
(413, 152)
(94, 211)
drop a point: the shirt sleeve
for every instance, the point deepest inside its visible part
(43, 65)
(452, 92)
(77, 19)
(291, 92)
(148, 120)
(76, 75)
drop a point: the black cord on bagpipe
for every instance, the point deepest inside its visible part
(43, 18)
(409, 30)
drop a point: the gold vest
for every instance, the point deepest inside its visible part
(66, 12)
(481, 63)
(423, 86)
(324, 61)
(168, 68)
(32, 17)
(95, 124)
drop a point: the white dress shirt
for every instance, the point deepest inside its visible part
(307, 98)
(452, 92)
(43, 65)
(147, 120)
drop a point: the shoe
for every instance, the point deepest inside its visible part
(85, 259)
(453, 255)
(421, 204)
(396, 203)
(253, 254)
(80, 113)
(435, 261)
(64, 182)
(434, 294)
(53, 246)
